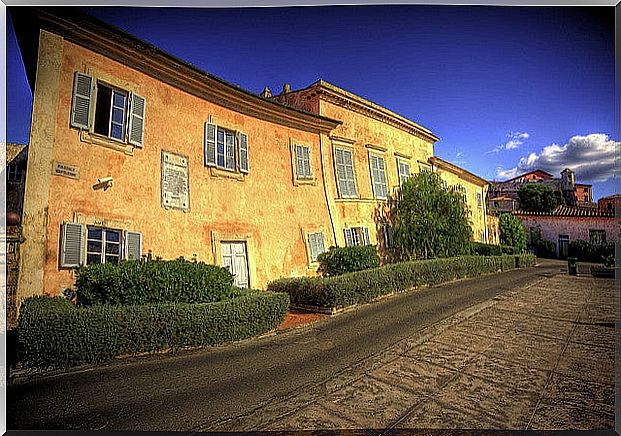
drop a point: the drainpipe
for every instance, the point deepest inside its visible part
(325, 189)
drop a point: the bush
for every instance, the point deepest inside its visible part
(544, 248)
(363, 286)
(159, 281)
(507, 249)
(341, 260)
(55, 333)
(525, 260)
(587, 252)
(481, 249)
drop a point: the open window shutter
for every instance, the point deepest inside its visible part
(312, 244)
(81, 105)
(349, 239)
(299, 161)
(133, 246)
(308, 172)
(210, 144)
(321, 248)
(365, 236)
(243, 152)
(71, 250)
(136, 120)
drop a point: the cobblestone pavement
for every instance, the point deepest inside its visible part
(541, 357)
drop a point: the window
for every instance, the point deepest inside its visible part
(118, 114)
(586, 198)
(597, 237)
(14, 173)
(445, 185)
(388, 234)
(356, 236)
(302, 162)
(479, 199)
(463, 191)
(103, 245)
(316, 245)
(100, 244)
(345, 173)
(226, 149)
(378, 176)
(404, 171)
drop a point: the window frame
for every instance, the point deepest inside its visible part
(110, 105)
(360, 236)
(349, 150)
(308, 235)
(405, 163)
(298, 178)
(378, 183)
(103, 254)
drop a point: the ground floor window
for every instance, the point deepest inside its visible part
(103, 245)
(316, 245)
(597, 237)
(357, 236)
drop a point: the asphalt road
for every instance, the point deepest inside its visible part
(193, 388)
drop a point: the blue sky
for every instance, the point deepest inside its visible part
(507, 89)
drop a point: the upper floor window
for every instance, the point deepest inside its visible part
(479, 199)
(357, 236)
(444, 185)
(302, 162)
(404, 171)
(345, 173)
(378, 176)
(226, 149)
(118, 114)
(14, 173)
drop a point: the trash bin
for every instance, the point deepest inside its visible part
(572, 265)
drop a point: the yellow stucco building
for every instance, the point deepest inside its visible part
(133, 151)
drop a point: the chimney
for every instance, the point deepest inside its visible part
(266, 93)
(286, 88)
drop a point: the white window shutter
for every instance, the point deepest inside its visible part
(81, 105)
(210, 144)
(71, 250)
(136, 120)
(349, 240)
(321, 248)
(133, 245)
(365, 236)
(243, 152)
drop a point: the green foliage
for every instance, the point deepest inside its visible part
(430, 221)
(544, 248)
(341, 260)
(159, 281)
(481, 249)
(537, 197)
(55, 333)
(525, 260)
(512, 232)
(363, 286)
(587, 252)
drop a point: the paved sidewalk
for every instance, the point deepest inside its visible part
(541, 357)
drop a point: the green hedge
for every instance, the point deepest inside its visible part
(159, 281)
(481, 249)
(342, 260)
(525, 260)
(363, 286)
(587, 252)
(55, 333)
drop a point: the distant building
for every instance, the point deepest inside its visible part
(503, 196)
(565, 224)
(16, 159)
(609, 203)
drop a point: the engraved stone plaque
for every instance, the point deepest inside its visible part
(65, 170)
(175, 181)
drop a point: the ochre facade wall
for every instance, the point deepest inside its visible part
(264, 207)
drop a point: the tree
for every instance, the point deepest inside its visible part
(512, 231)
(430, 221)
(537, 197)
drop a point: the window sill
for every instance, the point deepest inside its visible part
(360, 200)
(228, 174)
(301, 182)
(104, 141)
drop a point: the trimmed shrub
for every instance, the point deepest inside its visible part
(507, 249)
(525, 260)
(159, 281)
(481, 249)
(341, 260)
(544, 248)
(363, 286)
(55, 333)
(587, 252)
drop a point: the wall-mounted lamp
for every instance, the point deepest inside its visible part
(104, 184)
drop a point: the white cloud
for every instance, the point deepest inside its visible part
(515, 140)
(592, 157)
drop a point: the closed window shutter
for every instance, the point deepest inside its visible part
(210, 144)
(133, 245)
(243, 152)
(340, 172)
(321, 248)
(81, 105)
(349, 171)
(136, 120)
(312, 243)
(299, 161)
(71, 254)
(307, 162)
